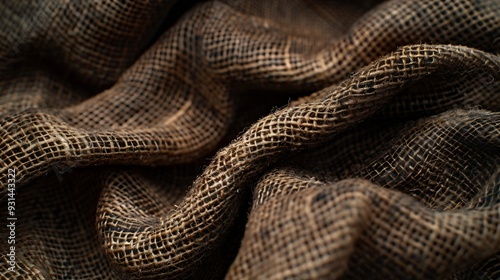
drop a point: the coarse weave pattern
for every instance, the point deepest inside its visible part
(240, 139)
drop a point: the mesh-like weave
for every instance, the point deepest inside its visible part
(251, 139)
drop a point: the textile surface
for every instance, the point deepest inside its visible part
(244, 139)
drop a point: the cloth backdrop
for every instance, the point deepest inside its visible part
(241, 139)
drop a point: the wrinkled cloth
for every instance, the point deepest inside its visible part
(245, 139)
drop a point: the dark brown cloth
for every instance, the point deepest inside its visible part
(246, 139)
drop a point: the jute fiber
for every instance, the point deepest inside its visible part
(244, 139)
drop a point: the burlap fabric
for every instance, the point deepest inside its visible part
(251, 139)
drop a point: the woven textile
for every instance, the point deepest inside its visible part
(244, 139)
